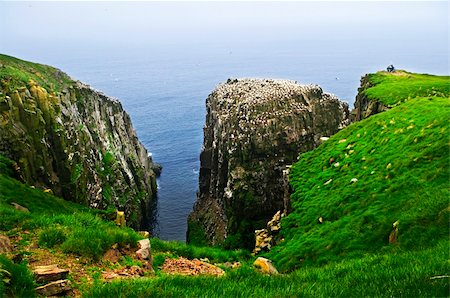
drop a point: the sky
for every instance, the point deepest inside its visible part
(135, 23)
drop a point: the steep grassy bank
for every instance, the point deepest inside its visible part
(391, 167)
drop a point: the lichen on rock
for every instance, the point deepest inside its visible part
(254, 129)
(76, 141)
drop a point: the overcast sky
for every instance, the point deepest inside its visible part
(143, 22)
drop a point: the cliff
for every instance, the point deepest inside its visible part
(71, 139)
(364, 106)
(383, 90)
(254, 129)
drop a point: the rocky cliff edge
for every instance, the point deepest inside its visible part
(72, 140)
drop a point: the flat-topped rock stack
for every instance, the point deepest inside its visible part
(254, 129)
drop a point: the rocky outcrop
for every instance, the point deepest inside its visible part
(254, 129)
(72, 139)
(55, 288)
(270, 236)
(365, 107)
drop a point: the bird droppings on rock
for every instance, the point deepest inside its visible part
(254, 128)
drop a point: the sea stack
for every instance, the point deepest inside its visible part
(255, 129)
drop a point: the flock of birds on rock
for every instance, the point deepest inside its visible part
(257, 108)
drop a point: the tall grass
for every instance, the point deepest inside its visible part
(15, 279)
(191, 251)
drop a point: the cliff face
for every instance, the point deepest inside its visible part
(365, 107)
(254, 129)
(72, 139)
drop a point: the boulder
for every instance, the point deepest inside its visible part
(49, 273)
(19, 207)
(54, 288)
(5, 244)
(144, 251)
(265, 265)
(112, 255)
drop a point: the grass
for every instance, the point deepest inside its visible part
(76, 229)
(16, 73)
(399, 160)
(214, 254)
(393, 88)
(15, 279)
(390, 167)
(376, 275)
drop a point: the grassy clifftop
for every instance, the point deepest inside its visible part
(16, 73)
(391, 88)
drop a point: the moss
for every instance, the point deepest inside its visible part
(196, 235)
(76, 172)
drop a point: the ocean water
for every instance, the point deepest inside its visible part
(163, 78)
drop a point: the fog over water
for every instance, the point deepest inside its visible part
(162, 59)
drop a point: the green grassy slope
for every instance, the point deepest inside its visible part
(392, 88)
(391, 167)
(16, 73)
(63, 226)
(80, 230)
(405, 274)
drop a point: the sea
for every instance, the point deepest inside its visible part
(161, 60)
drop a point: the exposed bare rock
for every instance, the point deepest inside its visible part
(144, 251)
(254, 129)
(266, 238)
(19, 207)
(365, 107)
(54, 288)
(49, 273)
(73, 141)
(112, 255)
(265, 265)
(5, 244)
(185, 266)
